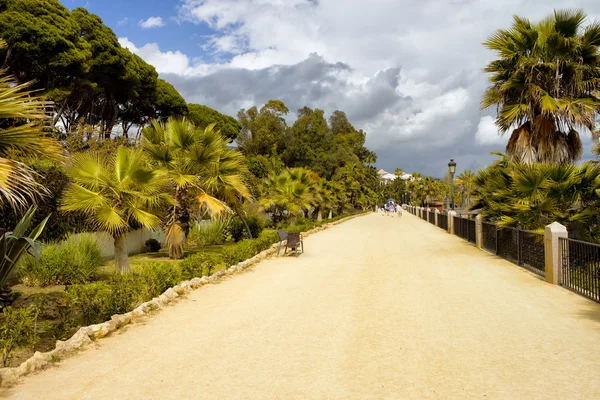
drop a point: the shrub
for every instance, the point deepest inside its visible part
(238, 231)
(127, 292)
(158, 276)
(98, 301)
(90, 300)
(152, 245)
(76, 260)
(201, 264)
(18, 329)
(214, 233)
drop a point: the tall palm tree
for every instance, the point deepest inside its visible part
(22, 119)
(200, 169)
(545, 84)
(115, 193)
(466, 185)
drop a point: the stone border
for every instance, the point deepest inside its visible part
(87, 334)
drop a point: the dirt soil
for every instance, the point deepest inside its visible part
(377, 308)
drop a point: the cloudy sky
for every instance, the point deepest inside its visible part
(407, 72)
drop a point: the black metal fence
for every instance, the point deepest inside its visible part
(465, 228)
(580, 267)
(432, 217)
(523, 248)
(443, 221)
(490, 237)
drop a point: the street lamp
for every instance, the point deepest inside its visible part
(452, 170)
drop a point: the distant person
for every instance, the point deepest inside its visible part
(399, 210)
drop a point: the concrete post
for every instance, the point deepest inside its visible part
(437, 217)
(552, 251)
(479, 231)
(427, 214)
(451, 214)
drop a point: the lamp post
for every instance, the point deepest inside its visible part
(452, 170)
(421, 193)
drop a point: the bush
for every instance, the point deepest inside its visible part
(214, 233)
(90, 301)
(76, 260)
(152, 245)
(159, 276)
(18, 329)
(201, 264)
(238, 231)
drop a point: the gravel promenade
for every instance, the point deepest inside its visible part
(377, 308)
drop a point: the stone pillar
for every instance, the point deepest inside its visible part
(552, 251)
(451, 214)
(479, 231)
(427, 214)
(437, 217)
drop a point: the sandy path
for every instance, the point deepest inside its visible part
(430, 317)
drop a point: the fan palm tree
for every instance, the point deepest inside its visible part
(115, 193)
(200, 169)
(545, 85)
(534, 195)
(466, 185)
(293, 189)
(22, 118)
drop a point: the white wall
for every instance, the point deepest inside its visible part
(135, 241)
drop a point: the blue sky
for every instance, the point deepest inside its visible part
(123, 17)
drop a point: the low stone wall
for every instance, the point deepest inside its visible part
(87, 334)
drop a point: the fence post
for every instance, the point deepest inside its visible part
(552, 251)
(437, 217)
(479, 231)
(428, 210)
(451, 215)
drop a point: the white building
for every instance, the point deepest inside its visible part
(388, 177)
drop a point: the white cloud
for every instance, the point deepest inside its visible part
(152, 22)
(487, 132)
(412, 77)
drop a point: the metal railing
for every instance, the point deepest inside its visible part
(523, 248)
(443, 221)
(465, 228)
(432, 217)
(580, 267)
(490, 237)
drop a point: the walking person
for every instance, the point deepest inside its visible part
(399, 210)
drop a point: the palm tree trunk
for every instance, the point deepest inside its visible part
(240, 214)
(319, 215)
(121, 256)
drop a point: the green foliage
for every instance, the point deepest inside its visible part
(76, 260)
(18, 328)
(89, 301)
(158, 276)
(116, 193)
(80, 64)
(54, 177)
(16, 244)
(201, 264)
(237, 228)
(203, 116)
(214, 233)
(152, 245)
(534, 195)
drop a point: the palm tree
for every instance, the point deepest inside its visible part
(398, 172)
(199, 168)
(115, 193)
(466, 185)
(22, 116)
(293, 189)
(545, 85)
